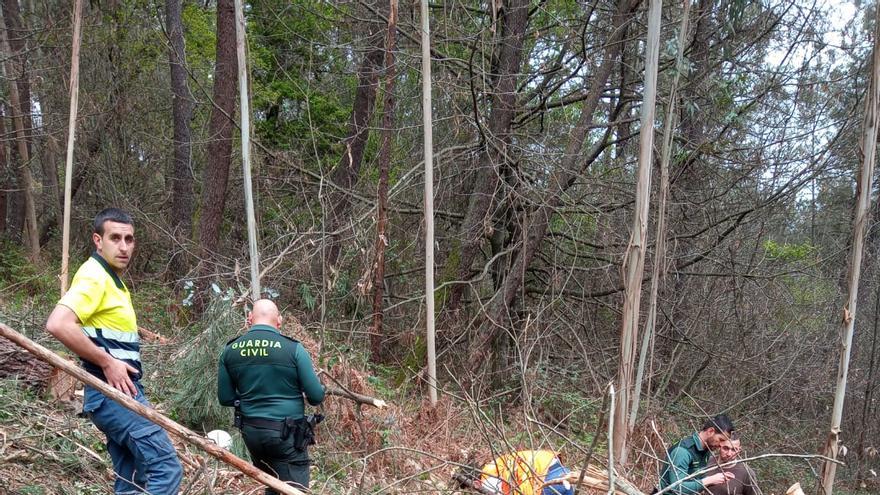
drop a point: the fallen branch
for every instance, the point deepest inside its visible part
(172, 427)
(359, 398)
(340, 391)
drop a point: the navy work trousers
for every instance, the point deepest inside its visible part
(143, 456)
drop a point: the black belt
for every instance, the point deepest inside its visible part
(263, 423)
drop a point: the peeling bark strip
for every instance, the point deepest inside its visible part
(127, 402)
(635, 254)
(562, 178)
(864, 181)
(71, 134)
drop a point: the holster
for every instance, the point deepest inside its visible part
(303, 430)
(236, 416)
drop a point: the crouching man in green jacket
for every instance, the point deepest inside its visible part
(264, 375)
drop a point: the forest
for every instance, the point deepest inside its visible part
(677, 216)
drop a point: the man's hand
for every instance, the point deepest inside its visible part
(117, 374)
(718, 478)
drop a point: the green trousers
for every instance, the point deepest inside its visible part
(276, 456)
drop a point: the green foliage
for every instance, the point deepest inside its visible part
(32, 490)
(788, 253)
(305, 294)
(23, 279)
(200, 33)
(292, 95)
(192, 373)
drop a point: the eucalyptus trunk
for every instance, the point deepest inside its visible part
(635, 254)
(868, 148)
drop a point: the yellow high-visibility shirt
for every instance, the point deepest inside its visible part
(522, 473)
(102, 303)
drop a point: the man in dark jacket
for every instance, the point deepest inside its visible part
(691, 455)
(744, 481)
(265, 375)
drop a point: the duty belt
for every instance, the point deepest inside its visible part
(302, 429)
(263, 423)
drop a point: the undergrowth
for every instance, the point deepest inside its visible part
(46, 449)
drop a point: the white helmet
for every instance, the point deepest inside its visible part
(492, 484)
(221, 438)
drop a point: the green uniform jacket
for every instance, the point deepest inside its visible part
(268, 373)
(683, 459)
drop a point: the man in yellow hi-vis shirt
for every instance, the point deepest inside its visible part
(523, 473)
(96, 320)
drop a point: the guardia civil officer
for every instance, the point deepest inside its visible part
(96, 320)
(265, 376)
(691, 455)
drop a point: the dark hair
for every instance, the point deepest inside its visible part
(110, 215)
(720, 423)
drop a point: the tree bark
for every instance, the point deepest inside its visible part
(4, 170)
(861, 217)
(635, 255)
(182, 199)
(376, 333)
(473, 230)
(16, 35)
(659, 268)
(428, 151)
(560, 180)
(220, 129)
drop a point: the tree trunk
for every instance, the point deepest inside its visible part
(5, 171)
(345, 174)
(868, 147)
(473, 230)
(428, 150)
(71, 139)
(182, 199)
(376, 333)
(17, 33)
(25, 183)
(659, 268)
(635, 256)
(560, 180)
(220, 129)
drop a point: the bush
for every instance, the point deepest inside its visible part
(191, 377)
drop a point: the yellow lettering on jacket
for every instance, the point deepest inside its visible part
(254, 352)
(256, 343)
